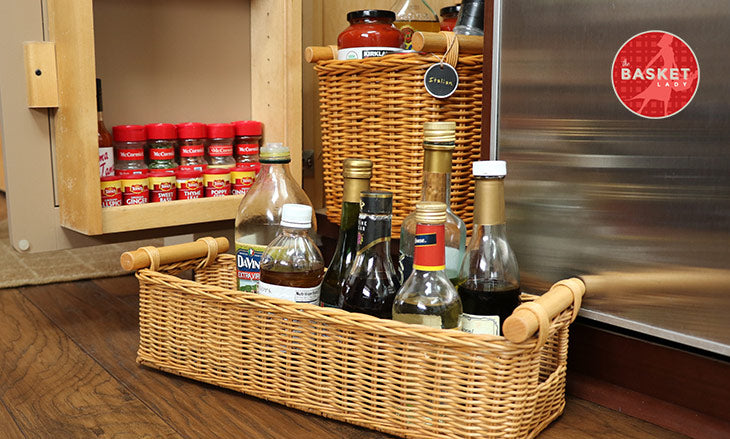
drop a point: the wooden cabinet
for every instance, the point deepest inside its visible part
(160, 62)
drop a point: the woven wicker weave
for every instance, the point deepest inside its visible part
(407, 380)
(375, 109)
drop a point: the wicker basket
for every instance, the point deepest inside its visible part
(408, 380)
(375, 109)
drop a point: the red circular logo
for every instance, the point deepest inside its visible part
(655, 74)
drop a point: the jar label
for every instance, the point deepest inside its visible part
(191, 150)
(247, 148)
(479, 324)
(429, 254)
(295, 294)
(220, 150)
(130, 154)
(365, 52)
(190, 188)
(248, 265)
(134, 173)
(162, 188)
(135, 191)
(217, 185)
(162, 153)
(106, 161)
(241, 181)
(198, 167)
(111, 193)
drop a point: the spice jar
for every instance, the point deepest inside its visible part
(242, 178)
(162, 185)
(448, 17)
(161, 140)
(247, 142)
(135, 188)
(129, 141)
(189, 184)
(111, 191)
(220, 145)
(191, 138)
(217, 182)
(371, 33)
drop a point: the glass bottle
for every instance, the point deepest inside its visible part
(489, 283)
(438, 145)
(428, 297)
(371, 282)
(471, 18)
(259, 213)
(356, 174)
(448, 17)
(291, 265)
(106, 148)
(412, 16)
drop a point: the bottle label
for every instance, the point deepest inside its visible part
(365, 52)
(420, 319)
(162, 153)
(162, 188)
(407, 32)
(429, 254)
(247, 148)
(130, 154)
(295, 294)
(248, 265)
(106, 161)
(241, 181)
(220, 150)
(191, 150)
(371, 231)
(475, 324)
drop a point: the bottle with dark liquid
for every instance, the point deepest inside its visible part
(356, 173)
(291, 265)
(412, 16)
(428, 297)
(371, 282)
(489, 283)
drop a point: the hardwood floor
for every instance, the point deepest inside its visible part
(67, 370)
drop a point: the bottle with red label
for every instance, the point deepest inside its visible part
(191, 140)
(129, 141)
(106, 149)
(220, 145)
(161, 140)
(246, 144)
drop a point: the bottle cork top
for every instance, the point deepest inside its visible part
(357, 168)
(430, 212)
(439, 132)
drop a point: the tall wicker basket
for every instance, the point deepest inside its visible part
(375, 108)
(408, 380)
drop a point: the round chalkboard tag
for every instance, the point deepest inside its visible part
(441, 80)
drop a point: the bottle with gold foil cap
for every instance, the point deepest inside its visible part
(438, 145)
(356, 173)
(427, 297)
(489, 283)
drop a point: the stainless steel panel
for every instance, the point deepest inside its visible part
(595, 189)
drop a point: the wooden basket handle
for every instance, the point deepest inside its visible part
(153, 257)
(536, 315)
(437, 42)
(312, 54)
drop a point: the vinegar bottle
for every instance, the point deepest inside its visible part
(489, 282)
(412, 16)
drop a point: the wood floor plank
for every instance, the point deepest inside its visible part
(110, 334)
(8, 426)
(54, 390)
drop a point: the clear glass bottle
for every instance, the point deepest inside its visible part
(438, 145)
(106, 148)
(489, 280)
(371, 282)
(220, 145)
(412, 16)
(356, 174)
(259, 213)
(471, 18)
(428, 297)
(291, 265)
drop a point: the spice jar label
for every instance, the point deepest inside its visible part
(130, 154)
(441, 80)
(162, 153)
(247, 148)
(242, 181)
(220, 150)
(191, 150)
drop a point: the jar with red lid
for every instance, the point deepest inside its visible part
(129, 141)
(111, 191)
(191, 140)
(217, 182)
(448, 17)
(371, 33)
(220, 145)
(161, 140)
(189, 184)
(247, 142)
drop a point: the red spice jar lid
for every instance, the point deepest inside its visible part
(129, 133)
(191, 130)
(161, 131)
(220, 130)
(210, 170)
(248, 128)
(191, 173)
(111, 178)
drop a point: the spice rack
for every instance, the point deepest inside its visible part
(49, 119)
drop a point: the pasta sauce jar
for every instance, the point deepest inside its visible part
(371, 33)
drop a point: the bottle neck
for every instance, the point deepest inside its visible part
(294, 232)
(489, 202)
(275, 170)
(373, 234)
(437, 176)
(352, 189)
(429, 251)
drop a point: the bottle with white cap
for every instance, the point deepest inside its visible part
(489, 279)
(292, 267)
(259, 213)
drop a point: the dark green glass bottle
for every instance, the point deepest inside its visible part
(356, 173)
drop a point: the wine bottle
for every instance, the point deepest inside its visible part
(356, 174)
(371, 283)
(428, 297)
(488, 284)
(438, 145)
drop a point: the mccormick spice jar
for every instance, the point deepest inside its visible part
(189, 184)
(217, 182)
(220, 145)
(247, 142)
(371, 33)
(129, 141)
(242, 178)
(135, 189)
(162, 185)
(111, 191)
(191, 138)
(161, 140)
